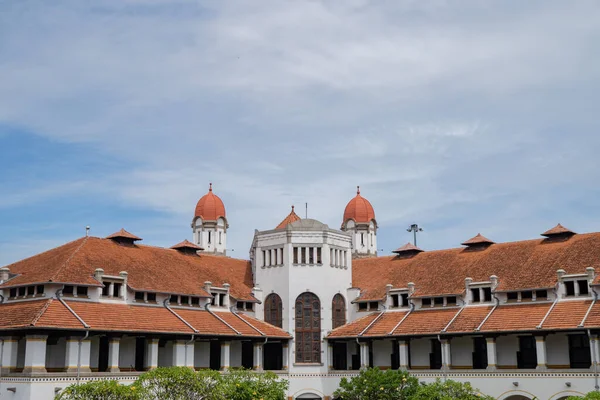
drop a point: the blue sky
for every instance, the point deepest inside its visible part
(464, 116)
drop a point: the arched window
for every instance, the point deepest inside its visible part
(273, 307)
(308, 328)
(339, 311)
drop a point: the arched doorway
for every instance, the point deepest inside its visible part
(308, 328)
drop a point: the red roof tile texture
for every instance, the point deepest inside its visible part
(359, 209)
(123, 234)
(353, 328)
(186, 244)
(292, 217)
(558, 230)
(210, 207)
(518, 265)
(517, 317)
(22, 314)
(407, 248)
(150, 268)
(469, 319)
(477, 239)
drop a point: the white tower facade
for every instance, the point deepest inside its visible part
(307, 268)
(359, 221)
(209, 225)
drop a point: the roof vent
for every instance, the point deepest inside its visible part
(558, 232)
(187, 247)
(4, 274)
(408, 250)
(477, 242)
(124, 237)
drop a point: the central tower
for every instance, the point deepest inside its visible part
(209, 225)
(359, 220)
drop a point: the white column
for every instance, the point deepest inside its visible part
(257, 359)
(540, 347)
(35, 354)
(286, 357)
(364, 355)
(446, 354)
(403, 352)
(73, 358)
(179, 353)
(113, 354)
(111, 289)
(9, 354)
(225, 354)
(189, 354)
(330, 355)
(594, 350)
(492, 355)
(151, 361)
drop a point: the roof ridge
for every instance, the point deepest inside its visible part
(44, 252)
(248, 323)
(85, 239)
(41, 312)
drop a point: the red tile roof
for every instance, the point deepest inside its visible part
(186, 245)
(150, 268)
(210, 207)
(477, 239)
(558, 230)
(423, 322)
(22, 314)
(519, 265)
(359, 209)
(407, 248)
(469, 319)
(516, 317)
(292, 217)
(353, 328)
(124, 234)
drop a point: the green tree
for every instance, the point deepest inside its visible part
(448, 390)
(375, 384)
(589, 396)
(247, 385)
(179, 383)
(99, 390)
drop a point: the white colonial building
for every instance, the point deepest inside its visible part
(518, 320)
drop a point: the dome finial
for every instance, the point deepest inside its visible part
(292, 208)
(358, 190)
(210, 187)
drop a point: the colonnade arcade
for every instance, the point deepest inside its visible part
(51, 352)
(559, 350)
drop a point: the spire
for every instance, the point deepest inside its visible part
(358, 190)
(210, 187)
(292, 217)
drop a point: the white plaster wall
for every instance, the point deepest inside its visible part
(235, 354)
(55, 354)
(462, 352)
(127, 352)
(202, 355)
(506, 348)
(557, 350)
(419, 352)
(382, 350)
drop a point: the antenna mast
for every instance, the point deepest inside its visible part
(414, 228)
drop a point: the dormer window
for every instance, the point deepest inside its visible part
(481, 294)
(399, 300)
(438, 301)
(368, 306)
(26, 291)
(75, 291)
(527, 295)
(576, 287)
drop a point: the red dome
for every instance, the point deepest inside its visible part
(359, 209)
(210, 207)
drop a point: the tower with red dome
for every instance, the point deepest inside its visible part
(359, 220)
(210, 225)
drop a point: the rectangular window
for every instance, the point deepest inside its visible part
(68, 290)
(295, 255)
(303, 255)
(426, 302)
(30, 290)
(487, 294)
(541, 294)
(117, 289)
(527, 295)
(264, 264)
(249, 306)
(438, 301)
(451, 300)
(139, 296)
(240, 305)
(173, 299)
(476, 295)
(569, 288)
(22, 291)
(105, 289)
(195, 301)
(395, 301)
(373, 306)
(579, 351)
(311, 259)
(82, 291)
(40, 289)
(151, 297)
(362, 306)
(512, 296)
(222, 299)
(13, 292)
(319, 256)
(404, 297)
(185, 300)
(583, 287)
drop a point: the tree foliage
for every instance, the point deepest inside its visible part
(99, 390)
(589, 396)
(448, 390)
(179, 383)
(374, 383)
(246, 385)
